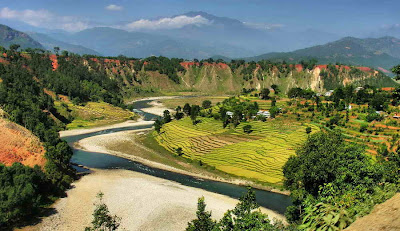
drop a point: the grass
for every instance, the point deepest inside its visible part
(93, 114)
(259, 155)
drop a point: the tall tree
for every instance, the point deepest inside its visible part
(203, 222)
(102, 219)
(265, 93)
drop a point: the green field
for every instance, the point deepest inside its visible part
(259, 155)
(92, 114)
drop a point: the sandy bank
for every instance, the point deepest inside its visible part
(157, 108)
(127, 123)
(143, 202)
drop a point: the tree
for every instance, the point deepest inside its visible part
(157, 125)
(203, 222)
(379, 102)
(206, 104)
(179, 151)
(273, 102)
(14, 47)
(396, 70)
(179, 115)
(102, 219)
(308, 130)
(187, 109)
(327, 159)
(264, 93)
(247, 129)
(56, 50)
(194, 112)
(321, 157)
(166, 117)
(276, 88)
(64, 53)
(246, 216)
(274, 111)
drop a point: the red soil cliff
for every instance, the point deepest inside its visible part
(19, 145)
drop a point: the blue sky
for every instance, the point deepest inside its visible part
(345, 17)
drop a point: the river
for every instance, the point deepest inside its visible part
(274, 201)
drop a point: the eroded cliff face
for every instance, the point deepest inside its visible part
(19, 145)
(220, 78)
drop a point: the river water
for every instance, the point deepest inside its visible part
(270, 200)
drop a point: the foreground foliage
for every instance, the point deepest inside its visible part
(102, 219)
(332, 182)
(245, 216)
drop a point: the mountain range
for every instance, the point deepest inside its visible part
(217, 37)
(49, 43)
(382, 53)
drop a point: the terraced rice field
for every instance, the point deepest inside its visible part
(259, 155)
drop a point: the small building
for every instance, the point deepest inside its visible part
(329, 93)
(229, 113)
(359, 89)
(396, 116)
(266, 114)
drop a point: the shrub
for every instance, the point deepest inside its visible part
(247, 129)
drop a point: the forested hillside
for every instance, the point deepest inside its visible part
(25, 99)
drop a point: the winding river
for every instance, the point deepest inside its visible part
(270, 200)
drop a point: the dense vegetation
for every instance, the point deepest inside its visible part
(24, 189)
(163, 65)
(332, 181)
(245, 216)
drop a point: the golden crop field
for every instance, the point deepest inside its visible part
(259, 155)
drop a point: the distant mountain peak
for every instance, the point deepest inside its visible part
(213, 18)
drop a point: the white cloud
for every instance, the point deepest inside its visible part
(113, 7)
(167, 23)
(45, 19)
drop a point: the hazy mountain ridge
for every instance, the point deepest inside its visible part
(114, 42)
(49, 43)
(10, 36)
(373, 52)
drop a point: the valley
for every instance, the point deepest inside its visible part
(297, 136)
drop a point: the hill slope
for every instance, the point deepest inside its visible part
(160, 75)
(19, 145)
(10, 36)
(382, 52)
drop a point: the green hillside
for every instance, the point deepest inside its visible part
(10, 36)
